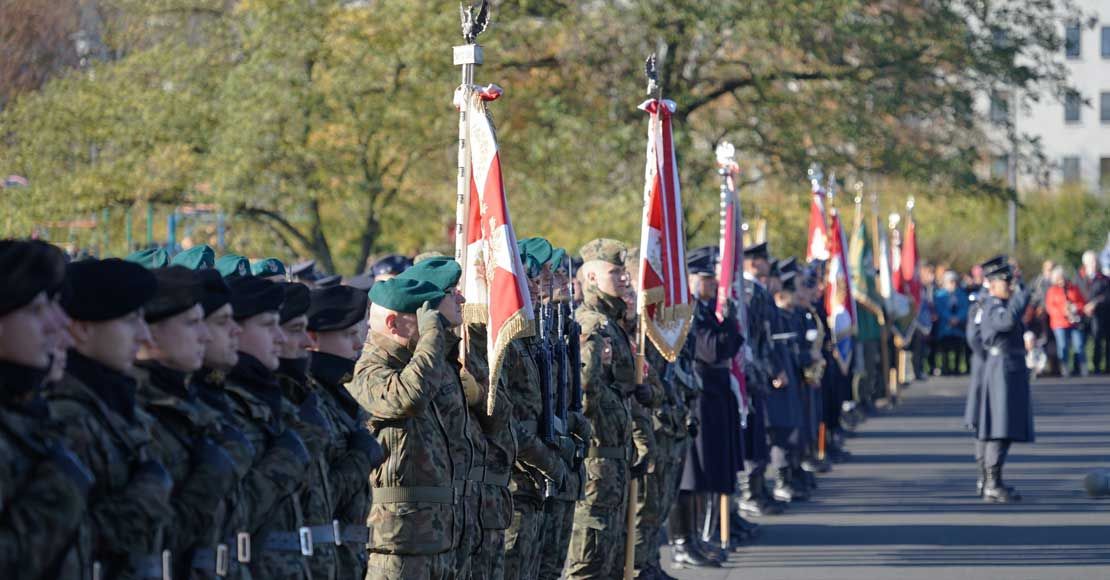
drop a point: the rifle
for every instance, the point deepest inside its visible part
(547, 413)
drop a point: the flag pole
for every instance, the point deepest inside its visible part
(466, 56)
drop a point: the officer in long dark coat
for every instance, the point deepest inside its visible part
(716, 455)
(1005, 405)
(975, 361)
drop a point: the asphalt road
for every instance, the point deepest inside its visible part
(904, 507)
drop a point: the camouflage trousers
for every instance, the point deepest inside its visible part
(558, 521)
(324, 562)
(524, 540)
(657, 493)
(489, 562)
(394, 567)
(278, 564)
(352, 561)
(471, 536)
(597, 540)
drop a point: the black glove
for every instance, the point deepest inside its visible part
(692, 426)
(289, 440)
(363, 441)
(154, 471)
(643, 394)
(71, 467)
(309, 412)
(208, 454)
(638, 468)
(237, 437)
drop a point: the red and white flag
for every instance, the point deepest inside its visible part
(731, 285)
(818, 246)
(908, 278)
(493, 280)
(839, 305)
(663, 295)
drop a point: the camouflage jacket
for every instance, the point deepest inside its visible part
(199, 492)
(497, 449)
(278, 477)
(669, 415)
(349, 469)
(608, 378)
(209, 387)
(317, 498)
(418, 414)
(127, 515)
(41, 507)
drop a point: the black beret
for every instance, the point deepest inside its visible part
(336, 308)
(703, 260)
(756, 251)
(214, 289)
(391, 264)
(179, 289)
(328, 281)
(296, 301)
(107, 289)
(251, 296)
(29, 267)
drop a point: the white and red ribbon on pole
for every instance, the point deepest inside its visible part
(493, 279)
(839, 305)
(663, 295)
(731, 285)
(818, 246)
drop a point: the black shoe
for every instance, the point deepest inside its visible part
(994, 491)
(758, 507)
(816, 466)
(687, 554)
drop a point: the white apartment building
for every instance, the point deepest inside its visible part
(1075, 134)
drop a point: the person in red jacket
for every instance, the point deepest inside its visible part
(1064, 304)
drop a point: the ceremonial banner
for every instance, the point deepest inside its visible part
(908, 280)
(839, 304)
(864, 285)
(663, 296)
(731, 286)
(493, 281)
(818, 246)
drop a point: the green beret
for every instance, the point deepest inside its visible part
(532, 266)
(405, 295)
(557, 257)
(233, 266)
(150, 258)
(196, 258)
(604, 250)
(268, 267)
(444, 273)
(538, 248)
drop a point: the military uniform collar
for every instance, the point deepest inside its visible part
(17, 380)
(113, 388)
(611, 306)
(163, 380)
(331, 370)
(391, 349)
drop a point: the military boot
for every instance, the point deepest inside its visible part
(994, 491)
(753, 497)
(982, 476)
(784, 488)
(685, 553)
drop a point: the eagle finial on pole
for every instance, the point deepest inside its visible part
(474, 20)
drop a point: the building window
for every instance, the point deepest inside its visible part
(1104, 107)
(1000, 167)
(1072, 103)
(1069, 169)
(1071, 41)
(1106, 42)
(1104, 174)
(1000, 108)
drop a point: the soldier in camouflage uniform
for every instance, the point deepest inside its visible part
(608, 380)
(537, 463)
(318, 498)
(335, 319)
(186, 431)
(408, 380)
(95, 403)
(559, 510)
(252, 465)
(284, 443)
(43, 486)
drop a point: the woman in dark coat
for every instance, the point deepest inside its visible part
(1005, 402)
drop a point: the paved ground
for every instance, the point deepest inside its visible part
(904, 508)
